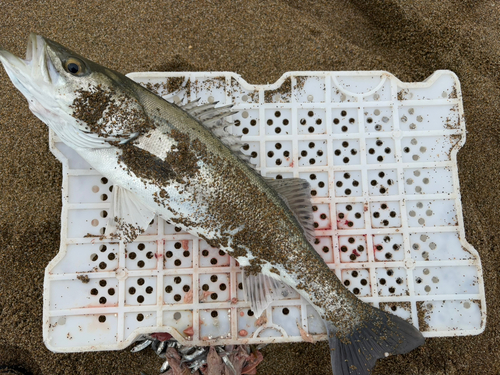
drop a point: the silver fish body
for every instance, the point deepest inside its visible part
(143, 345)
(170, 161)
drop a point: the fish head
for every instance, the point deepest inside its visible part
(76, 97)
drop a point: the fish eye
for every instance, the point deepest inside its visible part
(74, 66)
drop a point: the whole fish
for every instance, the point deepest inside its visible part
(180, 163)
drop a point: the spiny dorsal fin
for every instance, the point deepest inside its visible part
(296, 192)
(190, 104)
(208, 113)
(214, 119)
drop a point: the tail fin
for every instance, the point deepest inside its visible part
(378, 337)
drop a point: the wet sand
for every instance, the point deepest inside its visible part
(260, 40)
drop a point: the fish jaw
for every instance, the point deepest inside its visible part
(35, 77)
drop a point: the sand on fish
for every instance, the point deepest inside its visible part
(259, 40)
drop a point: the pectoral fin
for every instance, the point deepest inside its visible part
(128, 216)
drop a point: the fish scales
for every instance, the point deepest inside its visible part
(164, 160)
(242, 198)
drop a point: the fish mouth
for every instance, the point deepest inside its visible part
(33, 73)
(11, 62)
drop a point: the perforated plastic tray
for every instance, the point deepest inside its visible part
(380, 155)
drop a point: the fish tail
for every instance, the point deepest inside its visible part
(378, 336)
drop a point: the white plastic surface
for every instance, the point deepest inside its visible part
(380, 155)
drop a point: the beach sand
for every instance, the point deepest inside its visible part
(260, 40)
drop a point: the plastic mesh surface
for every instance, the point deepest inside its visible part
(380, 156)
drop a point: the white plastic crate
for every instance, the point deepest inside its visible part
(380, 155)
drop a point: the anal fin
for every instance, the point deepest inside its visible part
(261, 290)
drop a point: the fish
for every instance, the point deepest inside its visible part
(164, 367)
(197, 353)
(143, 345)
(161, 347)
(181, 163)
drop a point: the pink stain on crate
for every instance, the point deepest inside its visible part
(243, 332)
(305, 336)
(205, 295)
(188, 298)
(189, 331)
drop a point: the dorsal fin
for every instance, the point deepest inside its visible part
(296, 192)
(190, 104)
(208, 114)
(213, 118)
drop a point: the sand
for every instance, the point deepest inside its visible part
(259, 40)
